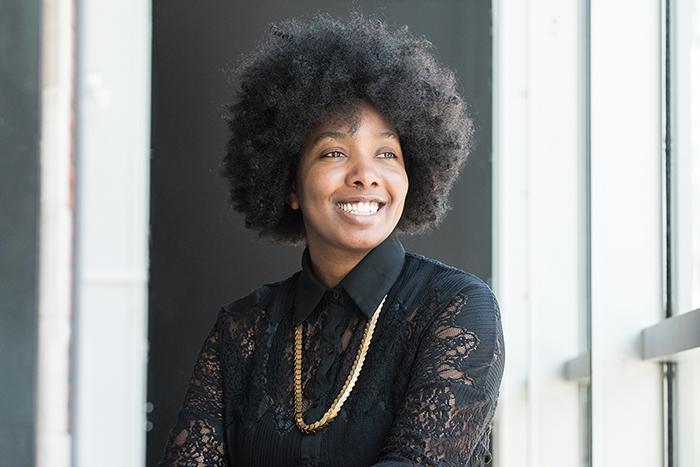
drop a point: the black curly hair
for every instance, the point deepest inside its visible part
(305, 72)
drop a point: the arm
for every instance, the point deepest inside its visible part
(197, 439)
(446, 414)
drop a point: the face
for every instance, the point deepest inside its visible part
(350, 185)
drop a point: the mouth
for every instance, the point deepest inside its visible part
(361, 208)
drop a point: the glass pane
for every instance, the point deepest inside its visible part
(685, 143)
(689, 409)
(694, 111)
(685, 215)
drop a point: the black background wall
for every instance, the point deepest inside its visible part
(201, 257)
(20, 41)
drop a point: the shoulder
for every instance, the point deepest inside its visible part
(264, 297)
(468, 317)
(448, 283)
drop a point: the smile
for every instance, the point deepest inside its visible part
(364, 208)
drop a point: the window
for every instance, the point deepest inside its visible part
(682, 166)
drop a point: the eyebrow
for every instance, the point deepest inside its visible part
(342, 135)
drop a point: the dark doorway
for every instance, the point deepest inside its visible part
(20, 198)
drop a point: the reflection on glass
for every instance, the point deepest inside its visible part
(689, 409)
(686, 218)
(694, 111)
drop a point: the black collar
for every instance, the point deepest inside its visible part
(366, 284)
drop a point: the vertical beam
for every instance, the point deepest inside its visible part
(557, 225)
(626, 220)
(112, 232)
(539, 214)
(53, 431)
(511, 229)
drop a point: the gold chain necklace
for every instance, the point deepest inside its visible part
(335, 407)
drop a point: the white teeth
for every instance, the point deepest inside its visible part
(364, 208)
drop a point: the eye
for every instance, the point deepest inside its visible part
(334, 154)
(387, 155)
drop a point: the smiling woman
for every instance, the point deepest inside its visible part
(351, 188)
(342, 134)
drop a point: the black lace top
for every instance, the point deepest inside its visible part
(426, 394)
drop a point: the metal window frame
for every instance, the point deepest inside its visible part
(667, 340)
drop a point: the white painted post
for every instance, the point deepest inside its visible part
(626, 228)
(113, 154)
(53, 435)
(539, 215)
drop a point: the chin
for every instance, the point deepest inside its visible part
(364, 242)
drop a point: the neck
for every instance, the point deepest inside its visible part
(330, 267)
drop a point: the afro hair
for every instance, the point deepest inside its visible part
(305, 72)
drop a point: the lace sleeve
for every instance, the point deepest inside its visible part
(197, 439)
(446, 414)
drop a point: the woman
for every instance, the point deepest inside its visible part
(342, 134)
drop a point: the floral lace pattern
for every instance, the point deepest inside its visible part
(426, 394)
(197, 440)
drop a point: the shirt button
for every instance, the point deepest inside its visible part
(330, 350)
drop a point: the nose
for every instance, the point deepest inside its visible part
(363, 173)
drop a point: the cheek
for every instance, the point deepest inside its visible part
(399, 183)
(316, 186)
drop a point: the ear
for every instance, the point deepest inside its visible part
(293, 199)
